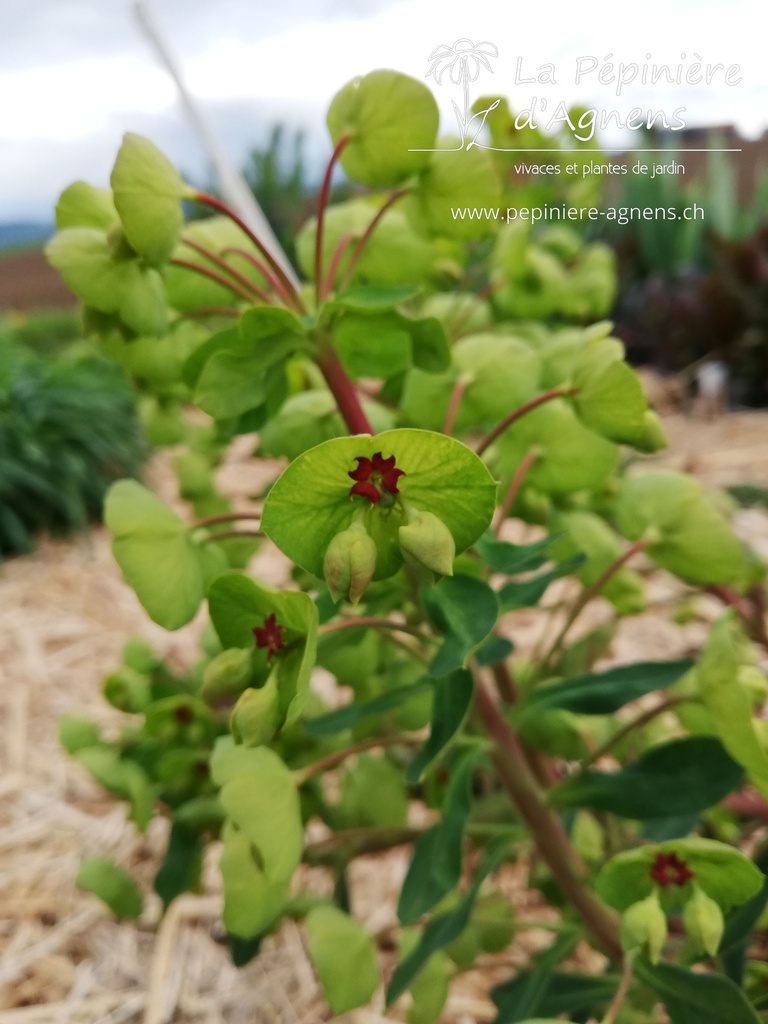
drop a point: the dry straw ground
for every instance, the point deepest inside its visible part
(64, 615)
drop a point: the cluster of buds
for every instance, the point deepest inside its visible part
(426, 543)
(644, 924)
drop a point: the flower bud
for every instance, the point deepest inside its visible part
(226, 675)
(256, 717)
(350, 563)
(703, 922)
(426, 542)
(644, 926)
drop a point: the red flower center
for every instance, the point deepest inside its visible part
(669, 869)
(269, 636)
(375, 478)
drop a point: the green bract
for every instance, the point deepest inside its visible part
(687, 535)
(311, 502)
(238, 605)
(158, 555)
(724, 874)
(390, 118)
(349, 980)
(148, 192)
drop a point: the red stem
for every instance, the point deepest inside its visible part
(289, 298)
(218, 278)
(515, 484)
(343, 391)
(545, 396)
(547, 832)
(333, 266)
(358, 251)
(453, 405)
(216, 204)
(235, 274)
(322, 202)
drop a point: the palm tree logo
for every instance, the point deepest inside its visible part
(462, 61)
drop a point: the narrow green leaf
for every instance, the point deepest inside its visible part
(694, 998)
(565, 993)
(453, 695)
(105, 879)
(527, 593)
(464, 610)
(442, 930)
(181, 865)
(348, 980)
(373, 298)
(602, 693)
(517, 1001)
(435, 866)
(672, 779)
(351, 714)
(501, 556)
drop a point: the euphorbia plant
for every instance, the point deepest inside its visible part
(418, 419)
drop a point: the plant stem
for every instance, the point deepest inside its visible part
(547, 832)
(374, 623)
(338, 757)
(344, 243)
(545, 396)
(363, 240)
(343, 391)
(635, 723)
(216, 204)
(218, 278)
(258, 293)
(290, 299)
(453, 405)
(357, 841)
(228, 534)
(322, 202)
(621, 992)
(588, 593)
(227, 517)
(514, 486)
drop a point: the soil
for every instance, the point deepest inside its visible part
(64, 616)
(28, 282)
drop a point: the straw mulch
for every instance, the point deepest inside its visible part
(64, 616)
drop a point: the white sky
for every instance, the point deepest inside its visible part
(76, 74)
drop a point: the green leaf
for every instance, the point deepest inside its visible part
(372, 346)
(441, 931)
(570, 456)
(694, 998)
(728, 703)
(238, 604)
(370, 298)
(725, 875)
(82, 206)
(181, 865)
(264, 805)
(123, 778)
(310, 503)
(390, 117)
(348, 716)
(516, 1001)
(565, 993)
(430, 345)
(157, 555)
(77, 733)
(148, 192)
(670, 780)
(435, 867)
(453, 695)
(464, 610)
(528, 593)
(105, 879)
(455, 178)
(610, 398)
(371, 775)
(602, 693)
(689, 536)
(501, 556)
(252, 902)
(350, 980)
